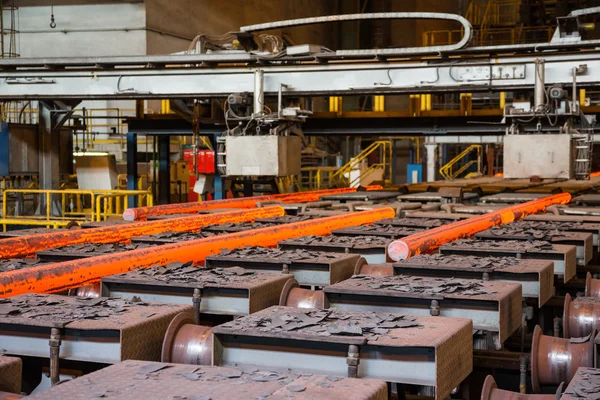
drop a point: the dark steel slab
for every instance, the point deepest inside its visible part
(430, 351)
(77, 251)
(584, 385)
(492, 306)
(582, 241)
(433, 197)
(387, 231)
(224, 291)
(535, 276)
(147, 380)
(100, 330)
(171, 237)
(424, 223)
(360, 196)
(19, 263)
(511, 198)
(236, 227)
(26, 232)
(310, 268)
(372, 248)
(587, 199)
(563, 256)
(11, 370)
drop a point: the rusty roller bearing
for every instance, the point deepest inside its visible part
(490, 391)
(363, 268)
(592, 286)
(293, 295)
(580, 317)
(94, 290)
(555, 360)
(187, 343)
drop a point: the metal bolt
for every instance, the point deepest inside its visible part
(196, 302)
(54, 343)
(285, 269)
(485, 276)
(435, 308)
(352, 361)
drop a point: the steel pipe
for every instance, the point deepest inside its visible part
(61, 276)
(141, 213)
(363, 268)
(592, 286)
(555, 360)
(490, 391)
(431, 239)
(187, 343)
(26, 245)
(580, 317)
(293, 295)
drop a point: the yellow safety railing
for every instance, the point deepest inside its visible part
(317, 178)
(76, 205)
(384, 146)
(461, 163)
(113, 203)
(493, 36)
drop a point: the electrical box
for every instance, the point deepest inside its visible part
(414, 173)
(205, 161)
(263, 155)
(547, 156)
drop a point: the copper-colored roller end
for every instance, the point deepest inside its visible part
(10, 396)
(490, 391)
(555, 360)
(187, 343)
(293, 295)
(580, 318)
(592, 286)
(363, 268)
(93, 290)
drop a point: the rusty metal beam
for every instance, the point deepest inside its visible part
(141, 213)
(27, 245)
(424, 242)
(62, 276)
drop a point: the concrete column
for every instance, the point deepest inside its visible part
(431, 148)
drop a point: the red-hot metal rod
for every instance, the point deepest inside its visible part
(27, 245)
(431, 239)
(141, 213)
(61, 276)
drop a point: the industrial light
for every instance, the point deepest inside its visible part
(89, 153)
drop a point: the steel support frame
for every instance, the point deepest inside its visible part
(132, 170)
(489, 74)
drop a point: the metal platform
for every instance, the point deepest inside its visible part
(386, 231)
(224, 291)
(286, 219)
(582, 241)
(19, 263)
(26, 232)
(149, 380)
(546, 222)
(309, 268)
(428, 351)
(584, 385)
(536, 277)
(236, 227)
(511, 198)
(433, 197)
(563, 256)
(424, 223)
(11, 371)
(170, 237)
(587, 199)
(372, 248)
(493, 307)
(371, 195)
(99, 330)
(78, 251)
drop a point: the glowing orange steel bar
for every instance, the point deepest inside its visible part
(27, 245)
(431, 239)
(140, 213)
(65, 275)
(595, 174)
